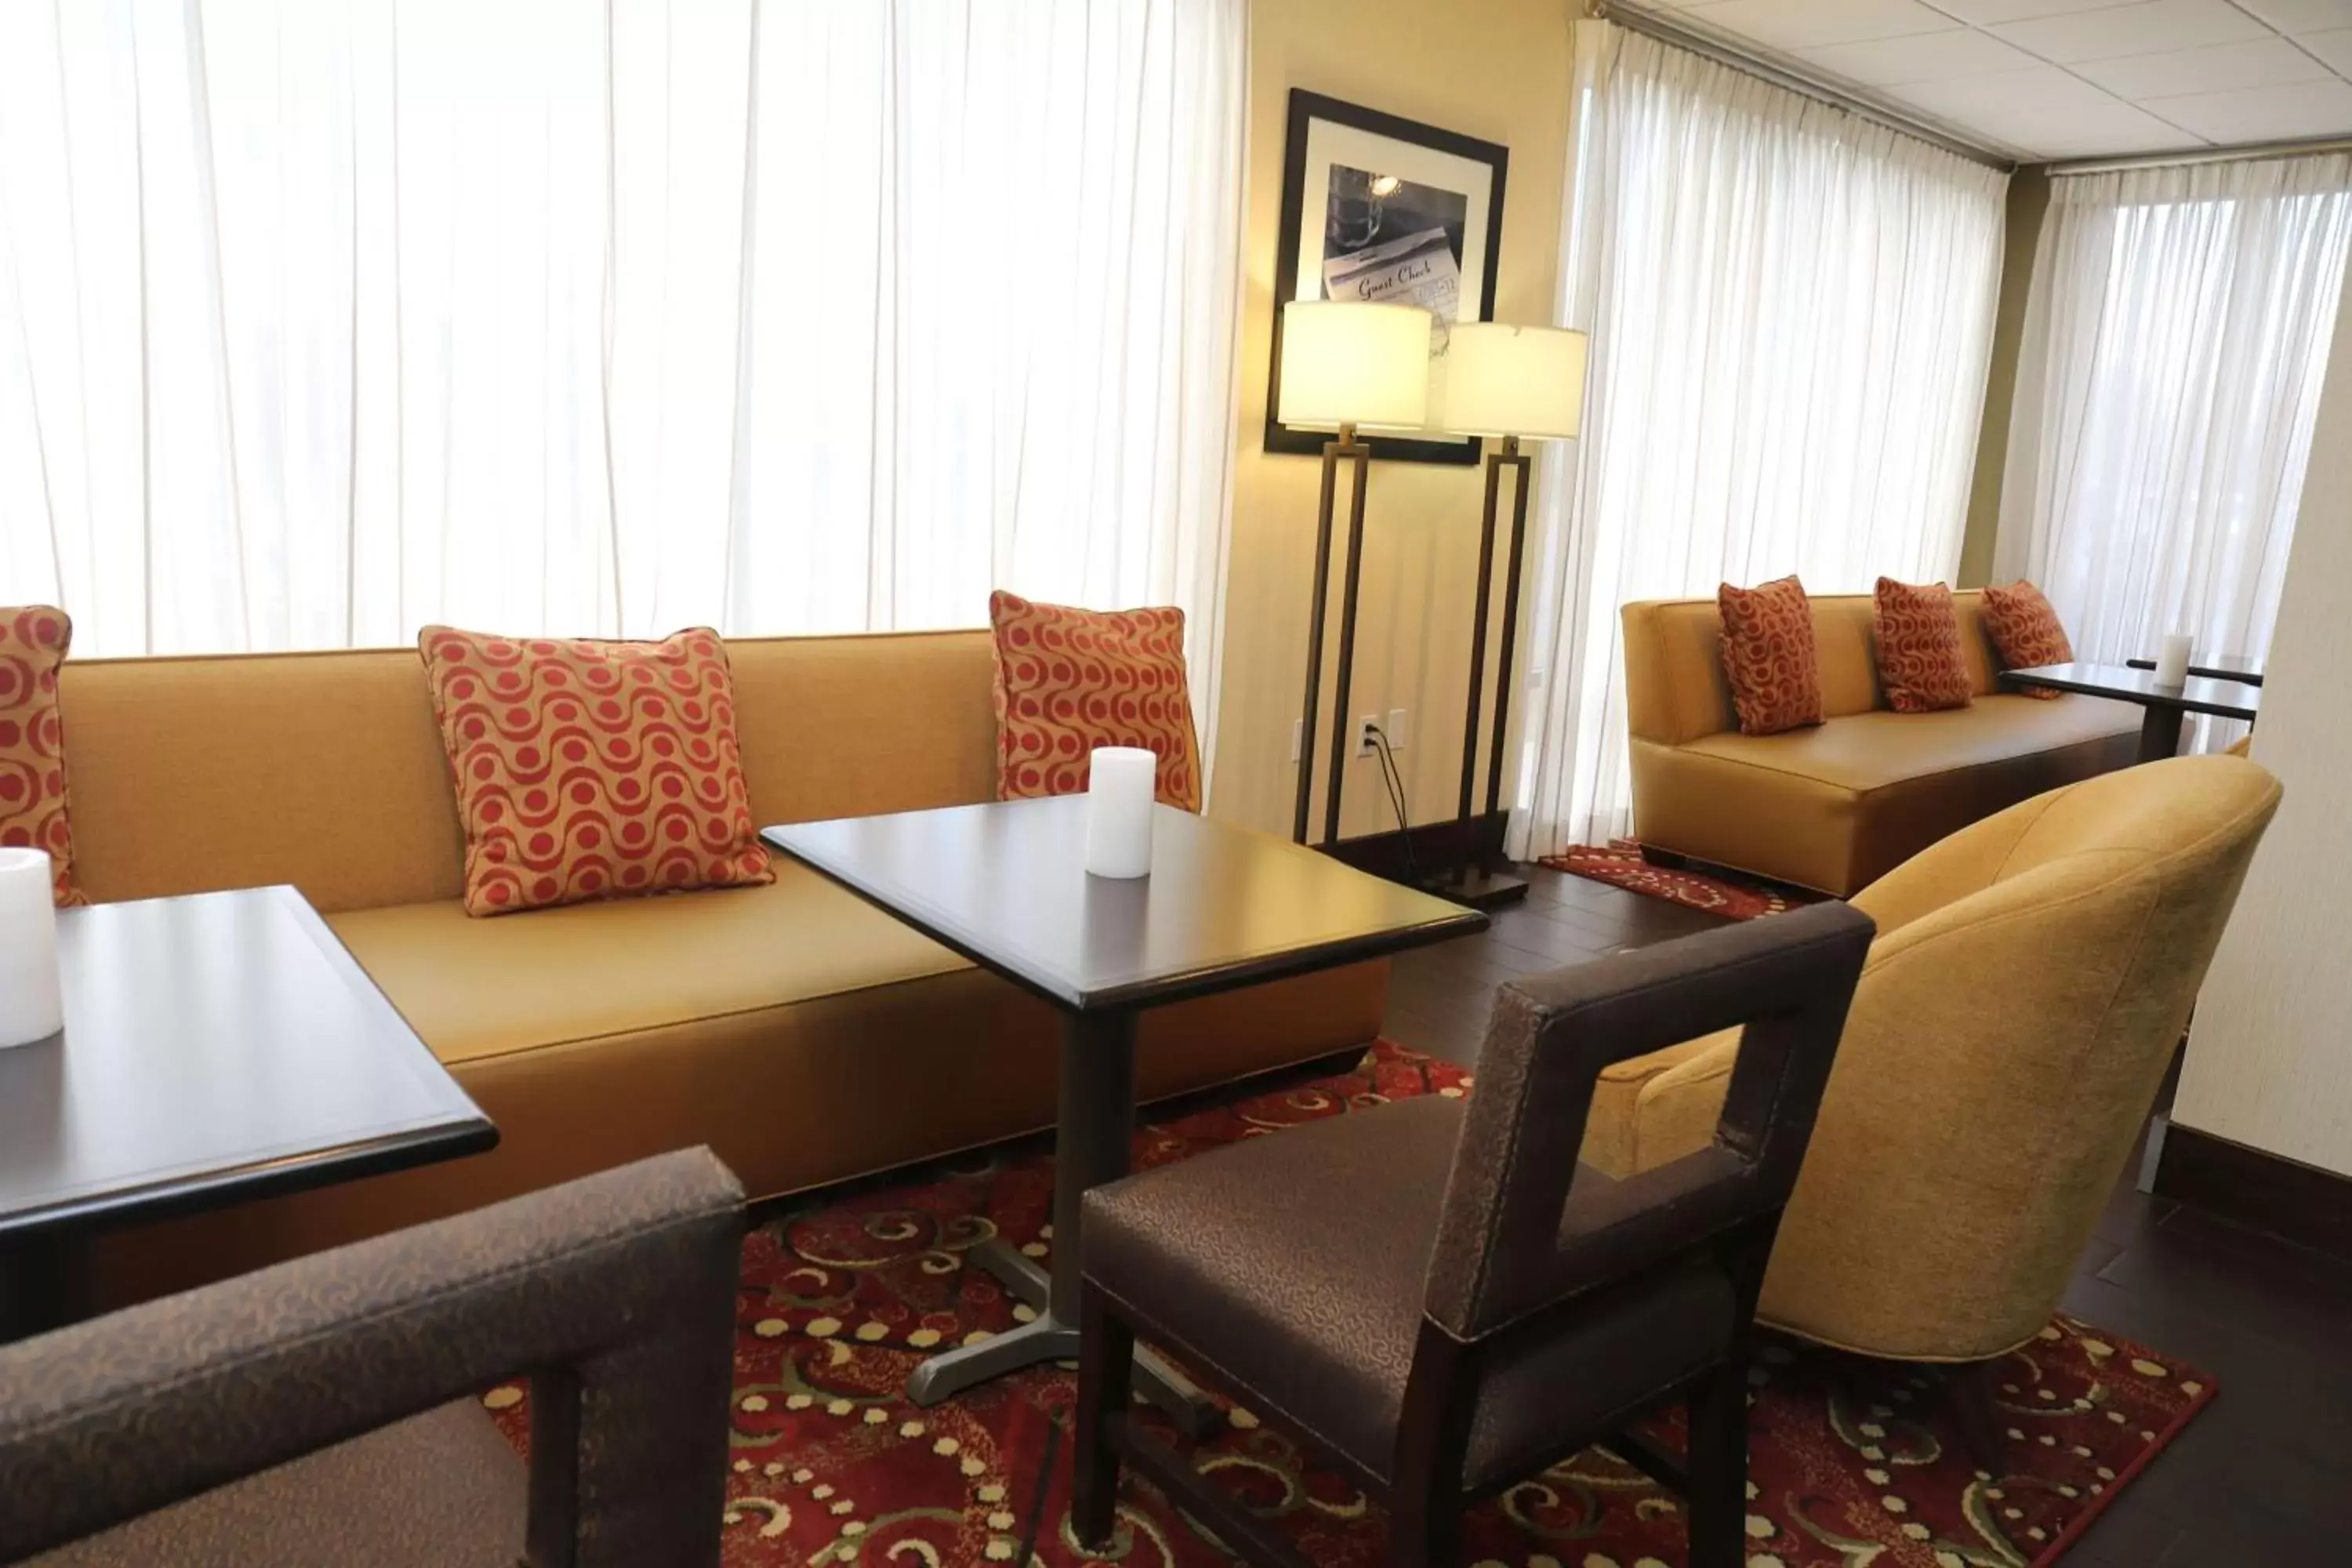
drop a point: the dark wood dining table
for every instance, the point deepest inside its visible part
(1005, 885)
(218, 1047)
(2165, 707)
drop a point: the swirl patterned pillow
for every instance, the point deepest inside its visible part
(2025, 631)
(592, 770)
(1918, 646)
(1769, 656)
(1068, 681)
(33, 641)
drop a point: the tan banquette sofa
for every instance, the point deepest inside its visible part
(1837, 805)
(801, 1034)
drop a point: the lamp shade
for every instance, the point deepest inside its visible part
(1503, 380)
(1345, 362)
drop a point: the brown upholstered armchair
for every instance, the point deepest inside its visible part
(303, 1414)
(1439, 1296)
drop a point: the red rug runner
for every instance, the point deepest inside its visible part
(1620, 865)
(1852, 1462)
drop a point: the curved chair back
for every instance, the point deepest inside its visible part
(2019, 1009)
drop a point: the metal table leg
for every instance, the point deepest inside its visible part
(45, 1283)
(1095, 1126)
(2159, 733)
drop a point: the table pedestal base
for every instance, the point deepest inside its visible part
(1047, 1338)
(1095, 1124)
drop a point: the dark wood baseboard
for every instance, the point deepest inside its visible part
(2298, 1203)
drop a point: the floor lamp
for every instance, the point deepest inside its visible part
(1511, 384)
(1344, 366)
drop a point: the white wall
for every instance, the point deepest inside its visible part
(2270, 1058)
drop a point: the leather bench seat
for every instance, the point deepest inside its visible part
(1838, 805)
(804, 1036)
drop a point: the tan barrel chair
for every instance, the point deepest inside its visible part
(2030, 977)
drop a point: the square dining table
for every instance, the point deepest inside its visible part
(1005, 885)
(218, 1047)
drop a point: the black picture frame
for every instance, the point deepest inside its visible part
(1307, 109)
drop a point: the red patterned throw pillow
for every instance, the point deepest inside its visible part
(33, 641)
(1918, 635)
(1769, 658)
(2025, 632)
(592, 770)
(1068, 681)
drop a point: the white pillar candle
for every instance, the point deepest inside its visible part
(32, 1007)
(2172, 662)
(1118, 811)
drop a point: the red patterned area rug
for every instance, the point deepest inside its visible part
(1620, 865)
(1851, 1463)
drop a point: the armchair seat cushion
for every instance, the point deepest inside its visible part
(1317, 1309)
(443, 1487)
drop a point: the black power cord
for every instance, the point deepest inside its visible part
(1392, 780)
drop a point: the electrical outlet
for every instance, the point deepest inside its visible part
(1297, 730)
(1394, 730)
(1366, 727)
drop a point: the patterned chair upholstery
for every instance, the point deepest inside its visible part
(320, 1411)
(1439, 1296)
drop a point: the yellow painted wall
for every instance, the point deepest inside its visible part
(2029, 200)
(1498, 69)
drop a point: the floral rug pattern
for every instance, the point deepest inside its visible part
(1852, 1463)
(1620, 865)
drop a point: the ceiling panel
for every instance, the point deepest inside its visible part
(2151, 29)
(2302, 16)
(1984, 13)
(1920, 57)
(2262, 113)
(2333, 47)
(1800, 24)
(2266, 61)
(2046, 79)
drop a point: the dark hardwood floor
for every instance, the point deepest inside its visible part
(2261, 1476)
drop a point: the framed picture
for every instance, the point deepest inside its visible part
(1379, 208)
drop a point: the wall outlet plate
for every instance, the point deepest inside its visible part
(1365, 728)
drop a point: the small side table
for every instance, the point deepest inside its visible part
(2166, 706)
(1005, 885)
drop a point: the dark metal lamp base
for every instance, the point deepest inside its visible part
(1478, 888)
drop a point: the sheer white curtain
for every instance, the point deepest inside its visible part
(1791, 311)
(2175, 343)
(319, 319)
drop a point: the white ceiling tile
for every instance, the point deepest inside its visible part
(2302, 16)
(2263, 114)
(2216, 67)
(1983, 12)
(1805, 24)
(2045, 90)
(2155, 28)
(2073, 130)
(1922, 57)
(2334, 46)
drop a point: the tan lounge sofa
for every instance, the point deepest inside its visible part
(802, 1035)
(1838, 805)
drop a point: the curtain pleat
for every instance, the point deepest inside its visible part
(323, 318)
(1791, 309)
(2168, 379)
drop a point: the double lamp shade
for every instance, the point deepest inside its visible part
(1345, 362)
